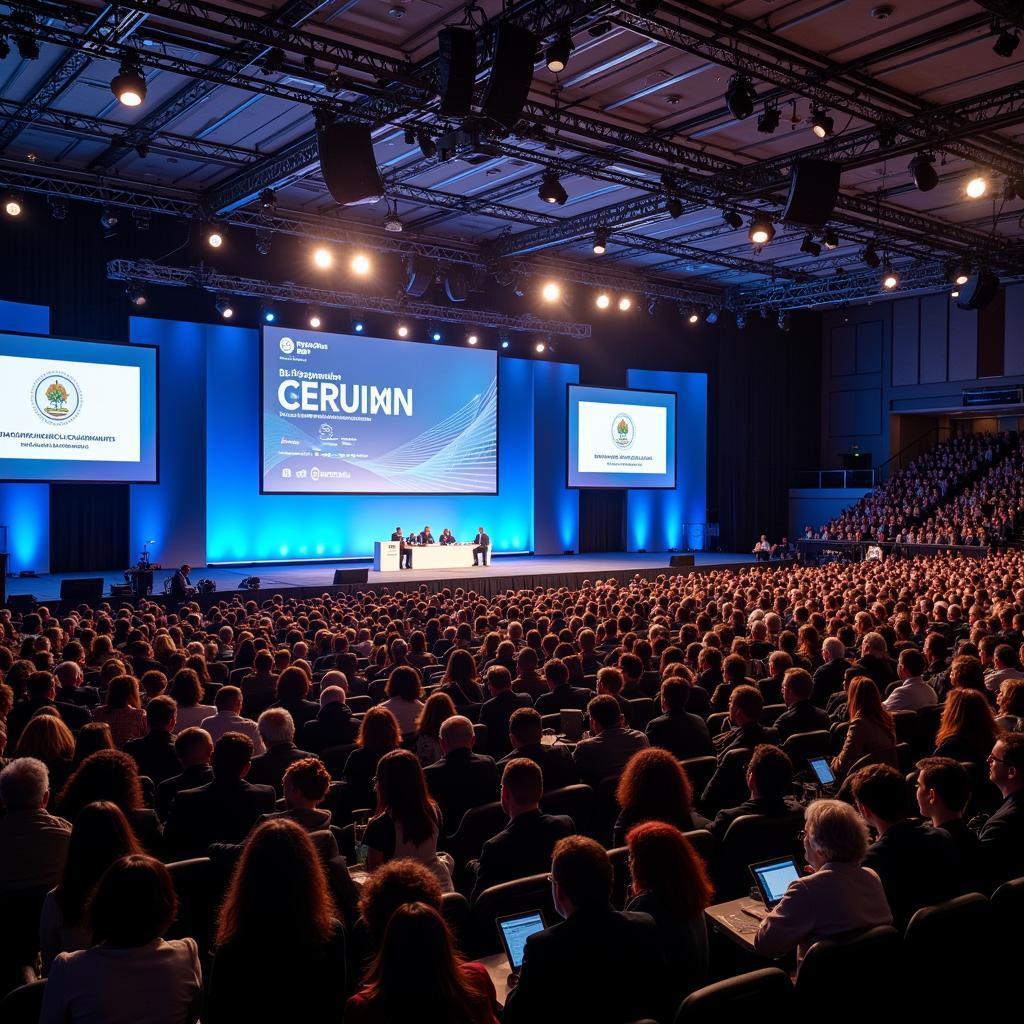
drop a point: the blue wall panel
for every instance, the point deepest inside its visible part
(656, 520)
(556, 512)
(25, 508)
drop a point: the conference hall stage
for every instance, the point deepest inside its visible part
(308, 579)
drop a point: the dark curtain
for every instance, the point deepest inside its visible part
(88, 527)
(602, 521)
(768, 424)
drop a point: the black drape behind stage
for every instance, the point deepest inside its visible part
(88, 527)
(602, 521)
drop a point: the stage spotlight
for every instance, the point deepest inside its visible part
(361, 264)
(13, 205)
(403, 331)
(693, 317)
(428, 147)
(890, 279)
(962, 273)
(214, 236)
(821, 123)
(551, 190)
(506, 344)
(922, 170)
(28, 48)
(600, 241)
(268, 202)
(359, 327)
(830, 238)
(603, 300)
(108, 219)
(976, 186)
(323, 257)
(472, 340)
(739, 97)
(810, 246)
(762, 231)
(768, 120)
(136, 294)
(733, 219)
(870, 257)
(674, 207)
(435, 335)
(539, 347)
(224, 307)
(129, 84)
(558, 53)
(955, 293)
(551, 292)
(625, 304)
(711, 316)
(268, 314)
(1006, 44)
(315, 320)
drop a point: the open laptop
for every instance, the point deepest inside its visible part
(822, 771)
(515, 929)
(773, 878)
(572, 724)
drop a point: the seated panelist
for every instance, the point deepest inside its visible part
(446, 537)
(404, 557)
(426, 537)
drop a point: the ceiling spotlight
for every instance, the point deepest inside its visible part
(539, 347)
(733, 219)
(870, 257)
(625, 304)
(428, 147)
(472, 339)
(1005, 45)
(224, 307)
(558, 53)
(315, 320)
(674, 207)
(215, 236)
(890, 279)
(922, 170)
(13, 205)
(830, 238)
(551, 190)
(392, 222)
(600, 241)
(323, 257)
(136, 294)
(711, 316)
(693, 317)
(129, 84)
(269, 316)
(739, 97)
(810, 246)
(359, 327)
(976, 187)
(108, 219)
(821, 123)
(268, 201)
(762, 231)
(962, 273)
(955, 293)
(28, 48)
(603, 300)
(505, 343)
(361, 264)
(435, 335)
(403, 331)
(768, 120)
(551, 292)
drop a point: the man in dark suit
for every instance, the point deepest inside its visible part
(181, 586)
(611, 743)
(554, 760)
(683, 735)
(42, 692)
(334, 725)
(277, 730)
(426, 537)
(1002, 836)
(524, 846)
(943, 789)
(770, 782)
(404, 554)
(71, 688)
(599, 964)
(916, 863)
(497, 712)
(154, 753)
(828, 678)
(461, 779)
(560, 694)
(800, 714)
(194, 749)
(222, 811)
(482, 545)
(874, 663)
(259, 687)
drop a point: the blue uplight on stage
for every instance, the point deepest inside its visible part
(359, 327)
(505, 343)
(436, 336)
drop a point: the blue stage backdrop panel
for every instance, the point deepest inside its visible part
(658, 520)
(243, 525)
(171, 513)
(556, 518)
(25, 508)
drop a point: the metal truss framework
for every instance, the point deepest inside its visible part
(145, 272)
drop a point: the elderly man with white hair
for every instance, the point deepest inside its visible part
(228, 701)
(828, 677)
(70, 690)
(461, 779)
(33, 842)
(334, 725)
(277, 730)
(874, 662)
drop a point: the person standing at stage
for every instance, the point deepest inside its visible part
(482, 542)
(404, 554)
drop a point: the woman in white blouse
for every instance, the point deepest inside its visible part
(404, 691)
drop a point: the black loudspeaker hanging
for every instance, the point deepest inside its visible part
(419, 275)
(979, 291)
(455, 286)
(456, 70)
(813, 191)
(511, 74)
(347, 162)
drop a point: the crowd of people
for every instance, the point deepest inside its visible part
(323, 753)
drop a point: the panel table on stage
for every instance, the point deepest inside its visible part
(386, 556)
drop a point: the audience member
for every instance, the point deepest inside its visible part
(526, 734)
(391, 886)
(228, 718)
(187, 690)
(378, 733)
(277, 730)
(913, 693)
(91, 737)
(681, 733)
(46, 738)
(770, 782)
(610, 745)
(871, 733)
(943, 790)
(305, 785)
(561, 695)
(404, 691)
(194, 749)
(496, 712)
(654, 787)
(154, 753)
(968, 729)
(801, 715)
(1002, 836)
(41, 688)
(461, 779)
(334, 725)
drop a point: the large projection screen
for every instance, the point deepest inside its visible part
(620, 438)
(345, 414)
(80, 411)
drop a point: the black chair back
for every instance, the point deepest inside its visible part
(703, 843)
(200, 890)
(455, 910)
(359, 704)
(19, 928)
(745, 997)
(641, 711)
(752, 838)
(24, 1004)
(802, 746)
(718, 722)
(334, 758)
(832, 964)
(770, 712)
(577, 801)
(477, 826)
(699, 771)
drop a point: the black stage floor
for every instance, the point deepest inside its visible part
(308, 579)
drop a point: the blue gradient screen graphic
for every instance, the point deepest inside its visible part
(346, 414)
(620, 438)
(77, 410)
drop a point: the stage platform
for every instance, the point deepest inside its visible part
(309, 579)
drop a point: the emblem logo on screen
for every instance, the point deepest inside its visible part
(287, 346)
(326, 431)
(623, 430)
(56, 397)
